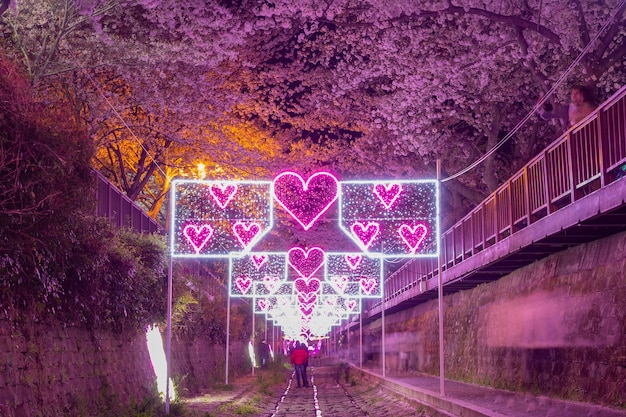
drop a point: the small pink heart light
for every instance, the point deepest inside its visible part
(259, 260)
(223, 193)
(368, 285)
(353, 261)
(243, 283)
(198, 236)
(366, 233)
(413, 236)
(246, 232)
(388, 193)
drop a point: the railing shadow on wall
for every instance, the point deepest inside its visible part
(120, 210)
(586, 158)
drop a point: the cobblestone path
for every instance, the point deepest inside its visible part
(331, 393)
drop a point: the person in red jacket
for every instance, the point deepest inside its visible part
(299, 358)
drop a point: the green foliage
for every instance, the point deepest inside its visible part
(199, 308)
(109, 406)
(56, 258)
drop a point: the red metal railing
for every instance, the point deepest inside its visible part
(584, 159)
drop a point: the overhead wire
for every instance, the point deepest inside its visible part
(119, 116)
(540, 102)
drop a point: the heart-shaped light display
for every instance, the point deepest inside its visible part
(350, 304)
(307, 309)
(243, 284)
(259, 260)
(223, 193)
(368, 285)
(305, 201)
(388, 193)
(246, 232)
(306, 263)
(307, 297)
(307, 286)
(413, 236)
(353, 261)
(271, 282)
(366, 233)
(339, 282)
(263, 304)
(198, 236)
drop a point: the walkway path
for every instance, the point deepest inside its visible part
(331, 393)
(341, 391)
(479, 401)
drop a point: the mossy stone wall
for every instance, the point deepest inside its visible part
(556, 327)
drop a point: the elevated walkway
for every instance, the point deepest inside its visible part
(572, 193)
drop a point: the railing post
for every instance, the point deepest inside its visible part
(602, 145)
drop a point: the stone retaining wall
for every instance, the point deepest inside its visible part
(556, 327)
(56, 371)
(53, 371)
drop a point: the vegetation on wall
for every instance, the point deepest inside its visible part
(57, 260)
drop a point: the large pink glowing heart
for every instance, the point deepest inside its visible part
(198, 236)
(259, 260)
(305, 201)
(223, 193)
(353, 261)
(413, 236)
(271, 282)
(306, 263)
(243, 283)
(307, 286)
(368, 285)
(366, 233)
(246, 233)
(340, 283)
(388, 193)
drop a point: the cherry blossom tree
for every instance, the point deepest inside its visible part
(364, 88)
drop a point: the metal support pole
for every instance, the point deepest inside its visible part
(253, 338)
(382, 333)
(227, 337)
(442, 378)
(168, 347)
(348, 338)
(361, 335)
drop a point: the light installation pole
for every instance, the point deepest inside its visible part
(442, 390)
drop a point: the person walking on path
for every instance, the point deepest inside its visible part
(299, 358)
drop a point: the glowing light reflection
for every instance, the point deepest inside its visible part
(159, 363)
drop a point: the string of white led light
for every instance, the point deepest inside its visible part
(119, 116)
